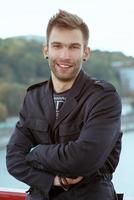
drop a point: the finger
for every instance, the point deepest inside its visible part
(74, 181)
(65, 181)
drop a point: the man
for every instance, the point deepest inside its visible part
(67, 142)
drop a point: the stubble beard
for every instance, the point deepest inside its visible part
(76, 67)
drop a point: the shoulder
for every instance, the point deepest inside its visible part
(106, 92)
(98, 83)
(35, 92)
(101, 84)
(106, 86)
(37, 85)
(103, 94)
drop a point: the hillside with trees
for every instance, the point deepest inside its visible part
(22, 64)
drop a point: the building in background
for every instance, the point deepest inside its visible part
(126, 76)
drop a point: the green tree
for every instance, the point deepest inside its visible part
(3, 112)
(11, 95)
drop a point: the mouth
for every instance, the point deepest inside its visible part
(64, 66)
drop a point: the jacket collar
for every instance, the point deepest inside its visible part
(78, 85)
(70, 103)
(72, 97)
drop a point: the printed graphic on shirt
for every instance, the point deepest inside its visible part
(59, 101)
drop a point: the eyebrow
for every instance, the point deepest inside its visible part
(74, 43)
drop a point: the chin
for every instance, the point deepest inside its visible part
(66, 78)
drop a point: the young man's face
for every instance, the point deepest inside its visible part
(66, 52)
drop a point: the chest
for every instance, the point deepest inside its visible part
(67, 129)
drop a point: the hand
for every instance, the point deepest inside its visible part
(67, 181)
(71, 181)
(56, 181)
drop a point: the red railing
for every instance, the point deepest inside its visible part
(5, 195)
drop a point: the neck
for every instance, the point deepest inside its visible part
(61, 86)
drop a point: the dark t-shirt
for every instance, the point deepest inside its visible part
(59, 100)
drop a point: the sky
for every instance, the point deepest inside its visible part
(110, 21)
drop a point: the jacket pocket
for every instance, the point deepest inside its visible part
(69, 132)
(39, 129)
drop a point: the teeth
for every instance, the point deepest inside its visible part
(64, 66)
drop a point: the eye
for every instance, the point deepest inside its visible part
(75, 46)
(56, 46)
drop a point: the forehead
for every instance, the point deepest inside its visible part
(63, 35)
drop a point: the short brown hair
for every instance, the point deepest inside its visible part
(69, 21)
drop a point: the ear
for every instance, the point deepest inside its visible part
(86, 53)
(45, 51)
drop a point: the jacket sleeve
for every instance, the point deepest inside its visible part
(19, 145)
(89, 152)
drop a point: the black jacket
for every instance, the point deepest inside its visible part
(84, 141)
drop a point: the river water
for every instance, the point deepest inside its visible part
(123, 177)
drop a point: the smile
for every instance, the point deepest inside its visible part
(64, 65)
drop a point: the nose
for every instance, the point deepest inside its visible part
(65, 53)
